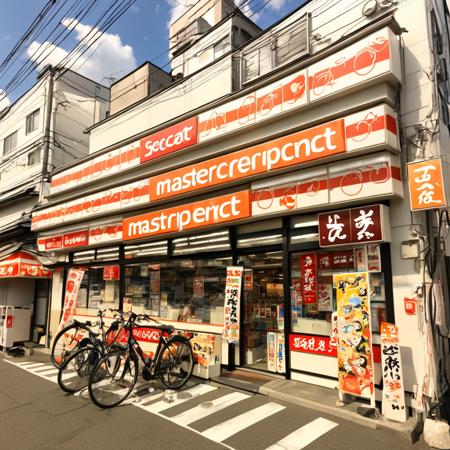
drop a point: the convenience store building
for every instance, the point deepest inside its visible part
(281, 153)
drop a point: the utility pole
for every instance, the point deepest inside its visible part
(47, 129)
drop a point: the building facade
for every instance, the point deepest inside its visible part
(285, 154)
(41, 131)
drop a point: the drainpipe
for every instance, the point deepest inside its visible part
(47, 130)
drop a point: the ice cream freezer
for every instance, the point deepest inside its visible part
(14, 325)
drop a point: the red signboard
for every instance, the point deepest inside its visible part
(351, 226)
(169, 140)
(146, 334)
(54, 243)
(321, 345)
(76, 239)
(111, 273)
(308, 271)
(9, 321)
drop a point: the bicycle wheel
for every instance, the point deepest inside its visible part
(176, 362)
(75, 372)
(66, 342)
(113, 378)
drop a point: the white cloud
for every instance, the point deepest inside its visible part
(178, 8)
(277, 4)
(111, 56)
(135, 8)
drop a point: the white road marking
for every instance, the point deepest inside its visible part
(195, 391)
(147, 398)
(305, 435)
(47, 371)
(25, 363)
(32, 365)
(202, 411)
(224, 430)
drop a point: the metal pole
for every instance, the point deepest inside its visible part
(47, 129)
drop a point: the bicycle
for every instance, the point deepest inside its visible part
(75, 371)
(115, 374)
(76, 336)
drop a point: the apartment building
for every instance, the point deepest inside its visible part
(280, 158)
(41, 131)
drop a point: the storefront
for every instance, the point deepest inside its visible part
(308, 197)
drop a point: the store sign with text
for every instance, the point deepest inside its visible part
(169, 140)
(233, 286)
(301, 147)
(354, 226)
(111, 273)
(73, 284)
(426, 185)
(321, 345)
(199, 214)
(308, 273)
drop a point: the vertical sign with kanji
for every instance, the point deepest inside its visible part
(426, 185)
(308, 273)
(393, 392)
(73, 283)
(232, 301)
(354, 349)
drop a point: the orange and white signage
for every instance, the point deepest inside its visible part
(371, 57)
(24, 265)
(213, 211)
(169, 140)
(73, 284)
(426, 185)
(301, 147)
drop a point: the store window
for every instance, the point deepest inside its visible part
(185, 290)
(263, 311)
(313, 297)
(99, 289)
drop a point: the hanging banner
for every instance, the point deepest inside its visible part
(248, 280)
(232, 300)
(393, 392)
(281, 364)
(73, 283)
(426, 184)
(355, 359)
(308, 273)
(111, 273)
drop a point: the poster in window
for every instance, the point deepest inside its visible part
(155, 282)
(248, 280)
(360, 259)
(393, 402)
(354, 350)
(373, 258)
(198, 286)
(324, 297)
(308, 274)
(272, 351)
(232, 303)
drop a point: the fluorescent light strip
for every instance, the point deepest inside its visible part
(262, 238)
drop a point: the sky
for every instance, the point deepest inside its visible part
(139, 35)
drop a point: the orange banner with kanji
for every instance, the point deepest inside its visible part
(426, 185)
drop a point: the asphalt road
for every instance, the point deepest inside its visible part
(35, 414)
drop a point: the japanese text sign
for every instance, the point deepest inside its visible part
(319, 345)
(354, 349)
(111, 273)
(426, 184)
(308, 273)
(232, 300)
(73, 284)
(393, 392)
(353, 226)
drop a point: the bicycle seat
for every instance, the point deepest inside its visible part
(166, 328)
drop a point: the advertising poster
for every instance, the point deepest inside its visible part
(155, 282)
(272, 351)
(204, 348)
(393, 392)
(325, 297)
(111, 273)
(248, 280)
(354, 350)
(198, 286)
(73, 283)
(373, 258)
(360, 259)
(308, 274)
(281, 365)
(232, 301)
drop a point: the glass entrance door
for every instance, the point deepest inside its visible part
(263, 311)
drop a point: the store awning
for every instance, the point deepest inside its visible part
(22, 264)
